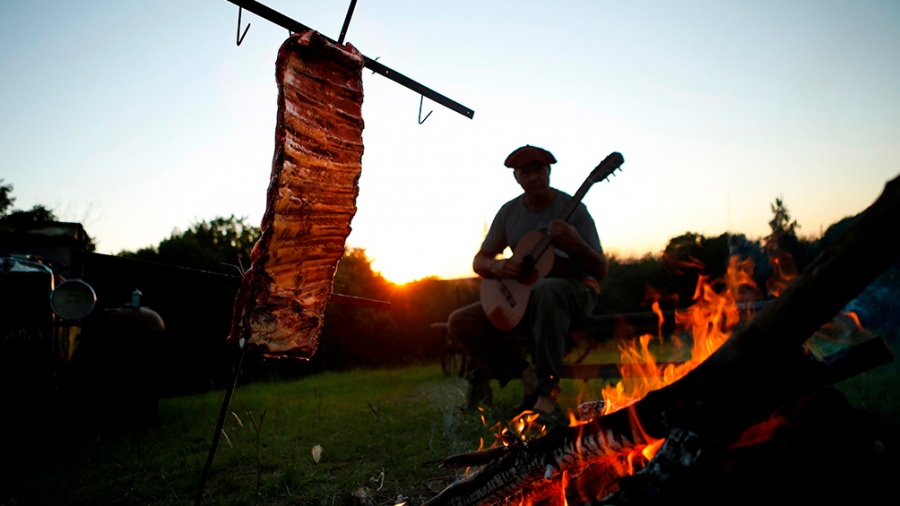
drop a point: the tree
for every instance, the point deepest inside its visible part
(783, 244)
(781, 222)
(689, 256)
(628, 283)
(38, 214)
(218, 245)
(6, 200)
(356, 336)
(355, 276)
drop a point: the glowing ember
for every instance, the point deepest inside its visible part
(760, 432)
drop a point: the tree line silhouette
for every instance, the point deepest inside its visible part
(362, 337)
(194, 294)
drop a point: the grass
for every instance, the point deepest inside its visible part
(382, 434)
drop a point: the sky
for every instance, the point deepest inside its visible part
(141, 118)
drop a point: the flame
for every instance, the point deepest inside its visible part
(783, 268)
(641, 454)
(679, 266)
(719, 305)
(709, 322)
(563, 481)
(575, 422)
(650, 450)
(783, 272)
(522, 427)
(843, 330)
(659, 317)
(760, 432)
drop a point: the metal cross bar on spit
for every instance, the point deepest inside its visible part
(296, 26)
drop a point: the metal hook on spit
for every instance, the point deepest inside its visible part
(238, 37)
(421, 119)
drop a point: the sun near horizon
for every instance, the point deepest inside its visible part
(407, 270)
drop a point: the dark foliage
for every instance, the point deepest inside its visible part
(6, 199)
(36, 215)
(784, 238)
(670, 279)
(356, 336)
(219, 245)
(630, 283)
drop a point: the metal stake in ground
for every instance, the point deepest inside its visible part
(226, 402)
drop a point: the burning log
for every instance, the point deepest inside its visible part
(816, 450)
(759, 370)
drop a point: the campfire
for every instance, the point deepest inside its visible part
(750, 418)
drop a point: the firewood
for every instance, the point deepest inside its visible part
(476, 458)
(758, 369)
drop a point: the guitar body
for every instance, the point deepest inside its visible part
(505, 300)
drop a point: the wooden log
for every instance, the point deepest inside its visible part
(816, 450)
(476, 458)
(727, 392)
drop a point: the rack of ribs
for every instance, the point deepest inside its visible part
(280, 305)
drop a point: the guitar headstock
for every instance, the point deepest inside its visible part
(609, 165)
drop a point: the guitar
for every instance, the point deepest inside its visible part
(505, 300)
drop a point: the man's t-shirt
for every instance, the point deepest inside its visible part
(514, 220)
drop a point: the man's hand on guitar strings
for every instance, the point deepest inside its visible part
(565, 236)
(509, 268)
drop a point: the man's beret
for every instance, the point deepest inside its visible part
(528, 154)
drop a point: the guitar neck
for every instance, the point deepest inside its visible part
(544, 243)
(601, 171)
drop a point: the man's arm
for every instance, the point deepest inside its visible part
(568, 239)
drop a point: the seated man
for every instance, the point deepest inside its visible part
(570, 289)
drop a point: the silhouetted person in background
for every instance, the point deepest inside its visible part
(569, 291)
